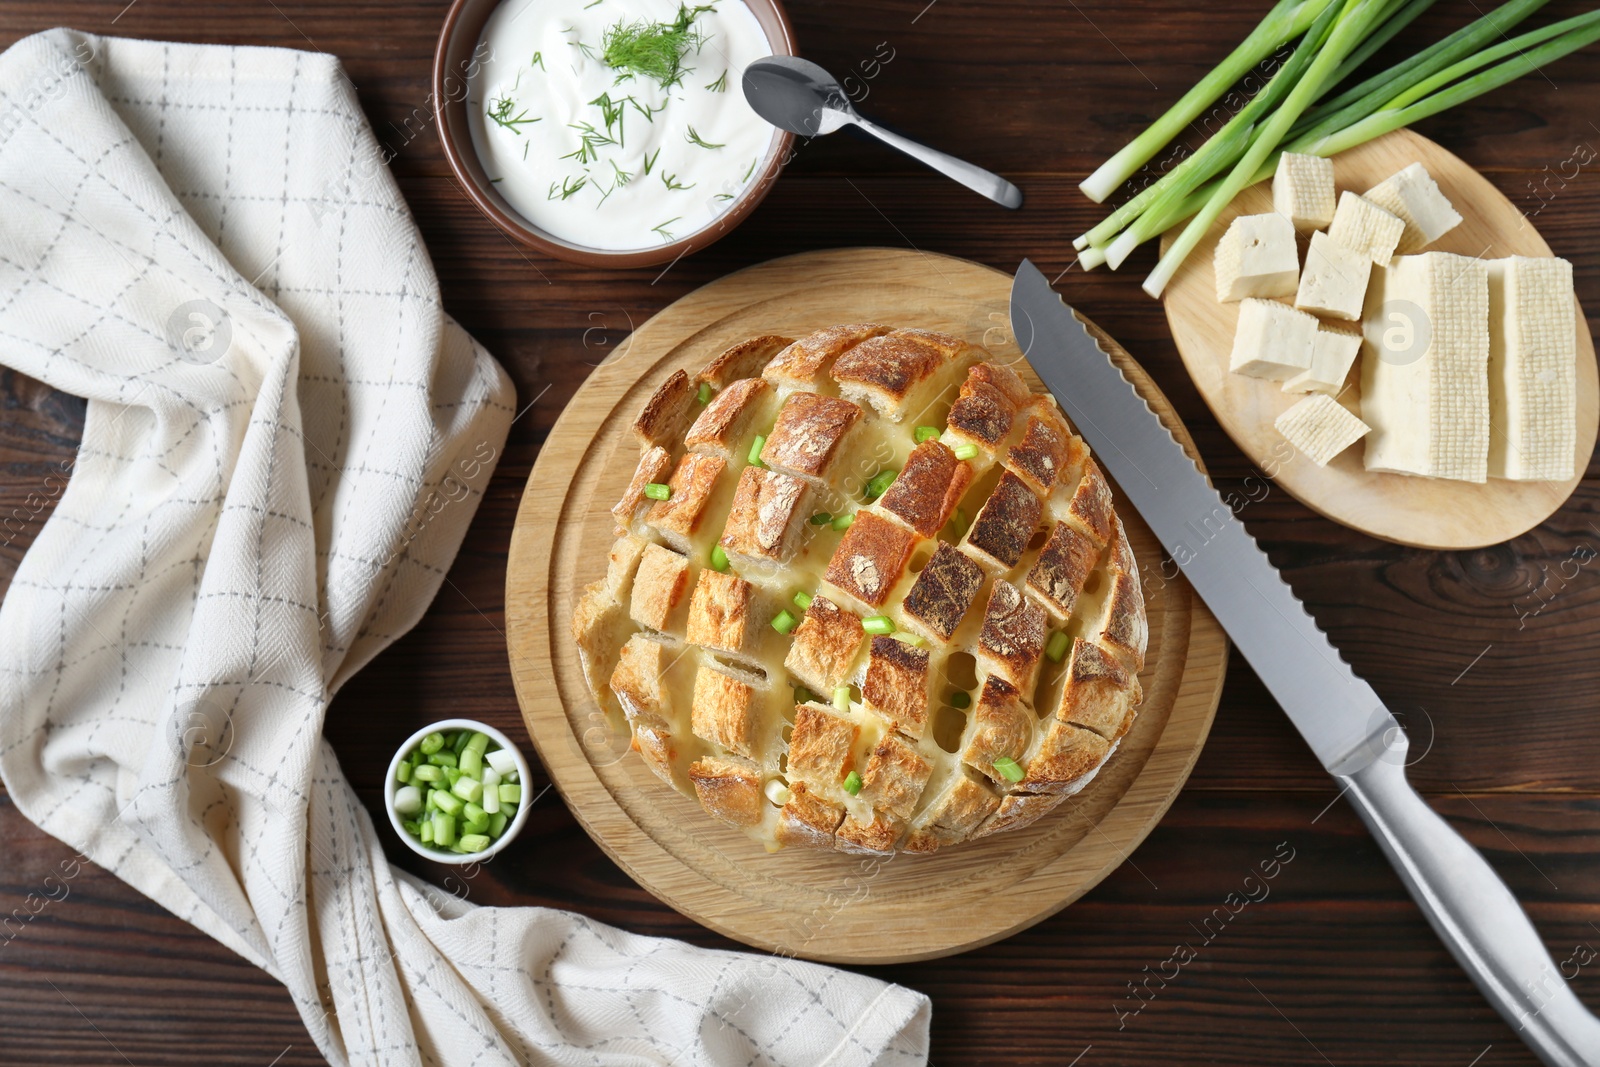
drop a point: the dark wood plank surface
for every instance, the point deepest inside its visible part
(1487, 654)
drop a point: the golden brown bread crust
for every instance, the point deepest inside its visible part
(724, 711)
(765, 515)
(658, 587)
(808, 360)
(655, 463)
(808, 821)
(1018, 810)
(942, 593)
(825, 645)
(1065, 754)
(1091, 505)
(719, 612)
(928, 488)
(726, 420)
(692, 483)
(1013, 636)
(784, 772)
(870, 558)
(874, 838)
(896, 685)
(729, 789)
(1063, 565)
(746, 359)
(806, 437)
(820, 747)
(889, 371)
(666, 413)
(1047, 452)
(1099, 694)
(637, 680)
(894, 777)
(1005, 524)
(1002, 727)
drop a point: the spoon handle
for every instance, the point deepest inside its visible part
(973, 177)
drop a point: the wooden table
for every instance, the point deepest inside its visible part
(1488, 655)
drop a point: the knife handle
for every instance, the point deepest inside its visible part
(1473, 912)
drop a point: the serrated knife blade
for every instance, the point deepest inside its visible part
(1338, 714)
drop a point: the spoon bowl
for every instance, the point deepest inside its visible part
(798, 96)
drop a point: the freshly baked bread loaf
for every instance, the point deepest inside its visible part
(868, 593)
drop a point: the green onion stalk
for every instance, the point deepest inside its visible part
(1287, 20)
(1354, 22)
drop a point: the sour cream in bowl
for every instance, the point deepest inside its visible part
(611, 132)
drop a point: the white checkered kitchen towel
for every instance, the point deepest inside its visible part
(285, 440)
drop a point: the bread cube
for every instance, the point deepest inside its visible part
(724, 710)
(807, 435)
(806, 362)
(894, 777)
(1012, 638)
(729, 789)
(720, 614)
(1005, 524)
(927, 489)
(1257, 257)
(658, 587)
(870, 558)
(896, 685)
(1063, 565)
(820, 746)
(1099, 694)
(724, 425)
(766, 512)
(942, 593)
(747, 359)
(822, 652)
(1001, 728)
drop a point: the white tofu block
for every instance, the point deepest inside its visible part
(1361, 224)
(1272, 341)
(1257, 257)
(1320, 428)
(1302, 190)
(1414, 198)
(1533, 390)
(1425, 367)
(1332, 355)
(1334, 282)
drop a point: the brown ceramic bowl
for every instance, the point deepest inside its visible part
(453, 64)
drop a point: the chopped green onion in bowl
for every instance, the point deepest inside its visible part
(454, 791)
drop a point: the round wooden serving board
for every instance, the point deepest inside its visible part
(821, 906)
(1425, 512)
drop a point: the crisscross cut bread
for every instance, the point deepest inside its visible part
(959, 725)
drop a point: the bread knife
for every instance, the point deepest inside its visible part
(1339, 715)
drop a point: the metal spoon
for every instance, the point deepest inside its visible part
(795, 94)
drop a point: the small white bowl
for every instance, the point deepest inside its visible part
(513, 828)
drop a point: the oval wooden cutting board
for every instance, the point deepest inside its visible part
(1425, 512)
(830, 907)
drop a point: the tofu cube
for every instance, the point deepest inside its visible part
(1363, 225)
(1532, 369)
(1257, 257)
(1302, 190)
(1332, 355)
(1424, 367)
(1334, 282)
(1273, 340)
(1320, 428)
(1414, 197)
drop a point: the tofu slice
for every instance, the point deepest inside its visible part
(1360, 224)
(1273, 340)
(1302, 190)
(1425, 367)
(1320, 427)
(1332, 355)
(1334, 282)
(1414, 198)
(1257, 257)
(1532, 369)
